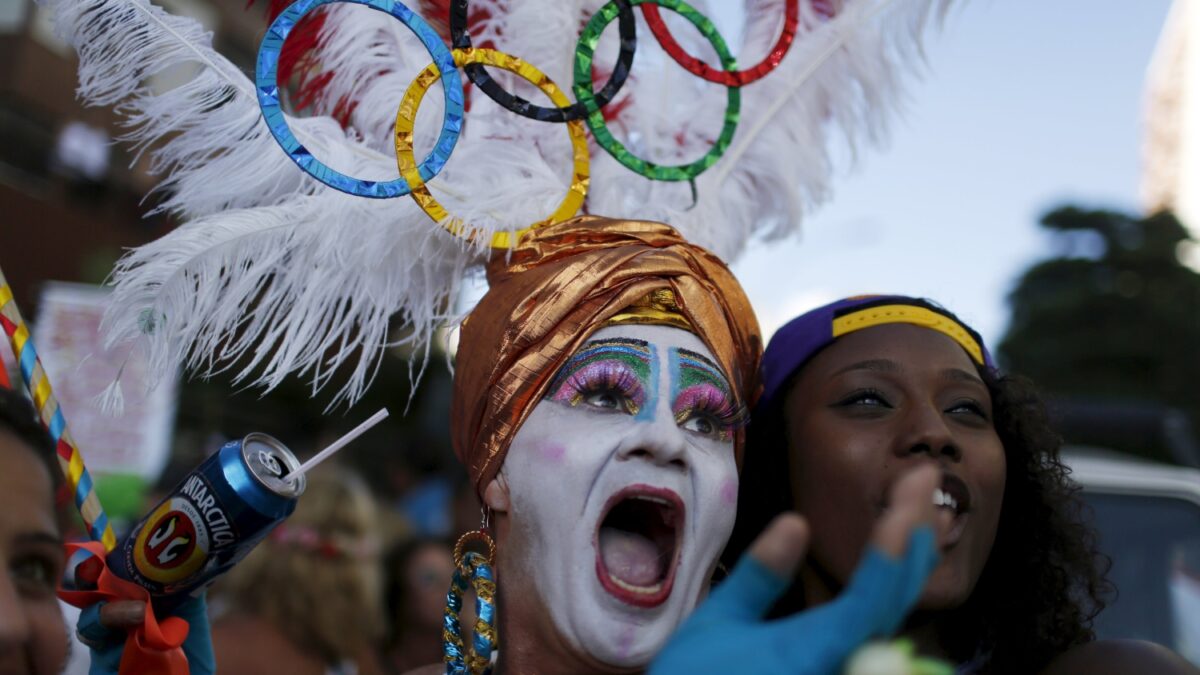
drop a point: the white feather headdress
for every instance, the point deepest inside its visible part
(274, 273)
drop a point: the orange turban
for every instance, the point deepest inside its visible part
(559, 285)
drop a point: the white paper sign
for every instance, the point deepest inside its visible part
(67, 336)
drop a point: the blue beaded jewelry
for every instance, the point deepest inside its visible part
(267, 87)
(475, 569)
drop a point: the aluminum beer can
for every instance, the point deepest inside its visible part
(211, 520)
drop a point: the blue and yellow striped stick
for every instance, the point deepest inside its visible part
(69, 457)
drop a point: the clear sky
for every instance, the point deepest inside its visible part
(1027, 104)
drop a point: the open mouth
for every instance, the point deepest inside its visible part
(637, 544)
(954, 497)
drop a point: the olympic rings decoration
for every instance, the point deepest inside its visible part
(737, 78)
(267, 88)
(595, 119)
(627, 25)
(588, 107)
(406, 117)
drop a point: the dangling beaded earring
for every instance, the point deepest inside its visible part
(471, 567)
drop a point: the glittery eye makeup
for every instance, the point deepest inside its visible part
(702, 400)
(613, 374)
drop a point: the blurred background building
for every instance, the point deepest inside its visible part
(1171, 174)
(73, 198)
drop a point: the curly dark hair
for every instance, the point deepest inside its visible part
(18, 418)
(1044, 581)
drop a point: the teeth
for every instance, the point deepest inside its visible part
(945, 499)
(644, 590)
(652, 500)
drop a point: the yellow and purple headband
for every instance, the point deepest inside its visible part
(802, 337)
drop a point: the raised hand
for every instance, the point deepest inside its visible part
(728, 634)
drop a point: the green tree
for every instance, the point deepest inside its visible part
(1114, 318)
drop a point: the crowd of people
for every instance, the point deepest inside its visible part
(931, 498)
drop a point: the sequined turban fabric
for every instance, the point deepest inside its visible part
(561, 284)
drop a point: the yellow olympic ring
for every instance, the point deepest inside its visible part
(406, 117)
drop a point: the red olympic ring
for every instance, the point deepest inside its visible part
(737, 78)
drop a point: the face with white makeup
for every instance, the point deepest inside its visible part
(616, 496)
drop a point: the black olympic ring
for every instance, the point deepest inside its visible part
(626, 26)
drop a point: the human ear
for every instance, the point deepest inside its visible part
(495, 495)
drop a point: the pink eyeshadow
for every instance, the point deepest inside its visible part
(700, 395)
(610, 371)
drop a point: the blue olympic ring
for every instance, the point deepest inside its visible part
(267, 88)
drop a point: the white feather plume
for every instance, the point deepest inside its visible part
(267, 289)
(271, 271)
(274, 274)
(375, 59)
(840, 82)
(206, 137)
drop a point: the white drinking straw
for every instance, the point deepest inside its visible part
(340, 443)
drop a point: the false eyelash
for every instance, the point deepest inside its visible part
(712, 402)
(601, 378)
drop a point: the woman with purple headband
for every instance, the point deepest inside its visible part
(862, 389)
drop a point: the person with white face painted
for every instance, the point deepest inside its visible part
(600, 390)
(617, 494)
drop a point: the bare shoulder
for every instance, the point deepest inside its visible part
(431, 669)
(1120, 657)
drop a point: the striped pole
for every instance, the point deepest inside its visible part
(69, 458)
(4, 375)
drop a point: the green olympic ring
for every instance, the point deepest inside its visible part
(584, 93)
